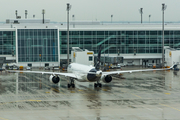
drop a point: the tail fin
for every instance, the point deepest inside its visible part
(98, 59)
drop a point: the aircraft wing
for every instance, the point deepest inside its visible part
(130, 71)
(43, 72)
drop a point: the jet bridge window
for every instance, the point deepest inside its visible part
(90, 58)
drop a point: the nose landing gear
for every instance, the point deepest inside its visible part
(97, 84)
(71, 84)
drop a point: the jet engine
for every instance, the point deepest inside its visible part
(107, 79)
(54, 79)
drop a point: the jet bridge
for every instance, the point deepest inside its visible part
(111, 62)
(171, 56)
(85, 57)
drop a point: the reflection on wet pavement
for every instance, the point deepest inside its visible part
(141, 95)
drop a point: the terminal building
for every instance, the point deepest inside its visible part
(29, 42)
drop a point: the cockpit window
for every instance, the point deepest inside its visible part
(90, 58)
(69, 66)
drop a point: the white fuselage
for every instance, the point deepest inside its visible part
(81, 71)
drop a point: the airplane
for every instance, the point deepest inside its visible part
(85, 73)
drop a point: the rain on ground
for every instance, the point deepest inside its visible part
(141, 95)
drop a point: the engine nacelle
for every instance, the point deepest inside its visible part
(54, 79)
(107, 79)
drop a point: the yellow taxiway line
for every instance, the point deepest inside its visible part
(169, 107)
(3, 118)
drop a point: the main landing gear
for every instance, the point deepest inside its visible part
(71, 84)
(97, 84)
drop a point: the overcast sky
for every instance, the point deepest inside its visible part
(101, 10)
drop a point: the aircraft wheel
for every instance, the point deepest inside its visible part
(73, 85)
(69, 85)
(95, 85)
(100, 85)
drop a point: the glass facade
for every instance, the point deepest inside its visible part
(124, 42)
(7, 43)
(37, 45)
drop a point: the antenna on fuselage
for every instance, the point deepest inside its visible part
(98, 59)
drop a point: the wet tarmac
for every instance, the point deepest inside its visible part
(136, 96)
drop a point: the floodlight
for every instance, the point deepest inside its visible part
(141, 12)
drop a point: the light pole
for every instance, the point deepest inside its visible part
(13, 54)
(118, 52)
(26, 14)
(134, 51)
(141, 12)
(149, 18)
(40, 60)
(43, 12)
(111, 18)
(163, 8)
(68, 8)
(16, 12)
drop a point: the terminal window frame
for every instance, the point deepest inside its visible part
(124, 41)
